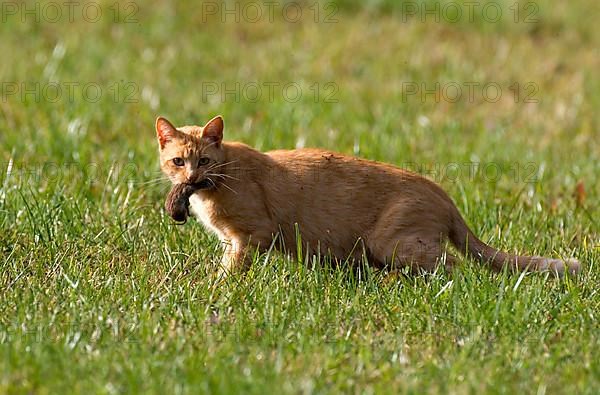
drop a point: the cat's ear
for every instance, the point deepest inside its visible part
(213, 130)
(165, 131)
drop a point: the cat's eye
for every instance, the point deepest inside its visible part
(178, 161)
(203, 161)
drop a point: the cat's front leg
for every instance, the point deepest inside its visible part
(236, 258)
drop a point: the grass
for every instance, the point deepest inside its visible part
(101, 292)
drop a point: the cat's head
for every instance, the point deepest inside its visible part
(191, 154)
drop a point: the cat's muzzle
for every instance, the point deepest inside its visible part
(204, 184)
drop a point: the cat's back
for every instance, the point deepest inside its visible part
(308, 155)
(329, 161)
(331, 173)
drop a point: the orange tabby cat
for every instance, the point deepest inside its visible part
(343, 206)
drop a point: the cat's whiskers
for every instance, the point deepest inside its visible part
(221, 182)
(228, 187)
(218, 165)
(222, 175)
(230, 169)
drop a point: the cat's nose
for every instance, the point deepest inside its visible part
(194, 176)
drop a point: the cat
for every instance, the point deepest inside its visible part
(337, 205)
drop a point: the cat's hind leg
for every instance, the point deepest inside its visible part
(415, 252)
(407, 237)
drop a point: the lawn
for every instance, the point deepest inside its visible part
(100, 292)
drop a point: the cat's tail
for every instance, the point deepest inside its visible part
(463, 238)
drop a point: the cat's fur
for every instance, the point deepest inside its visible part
(339, 205)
